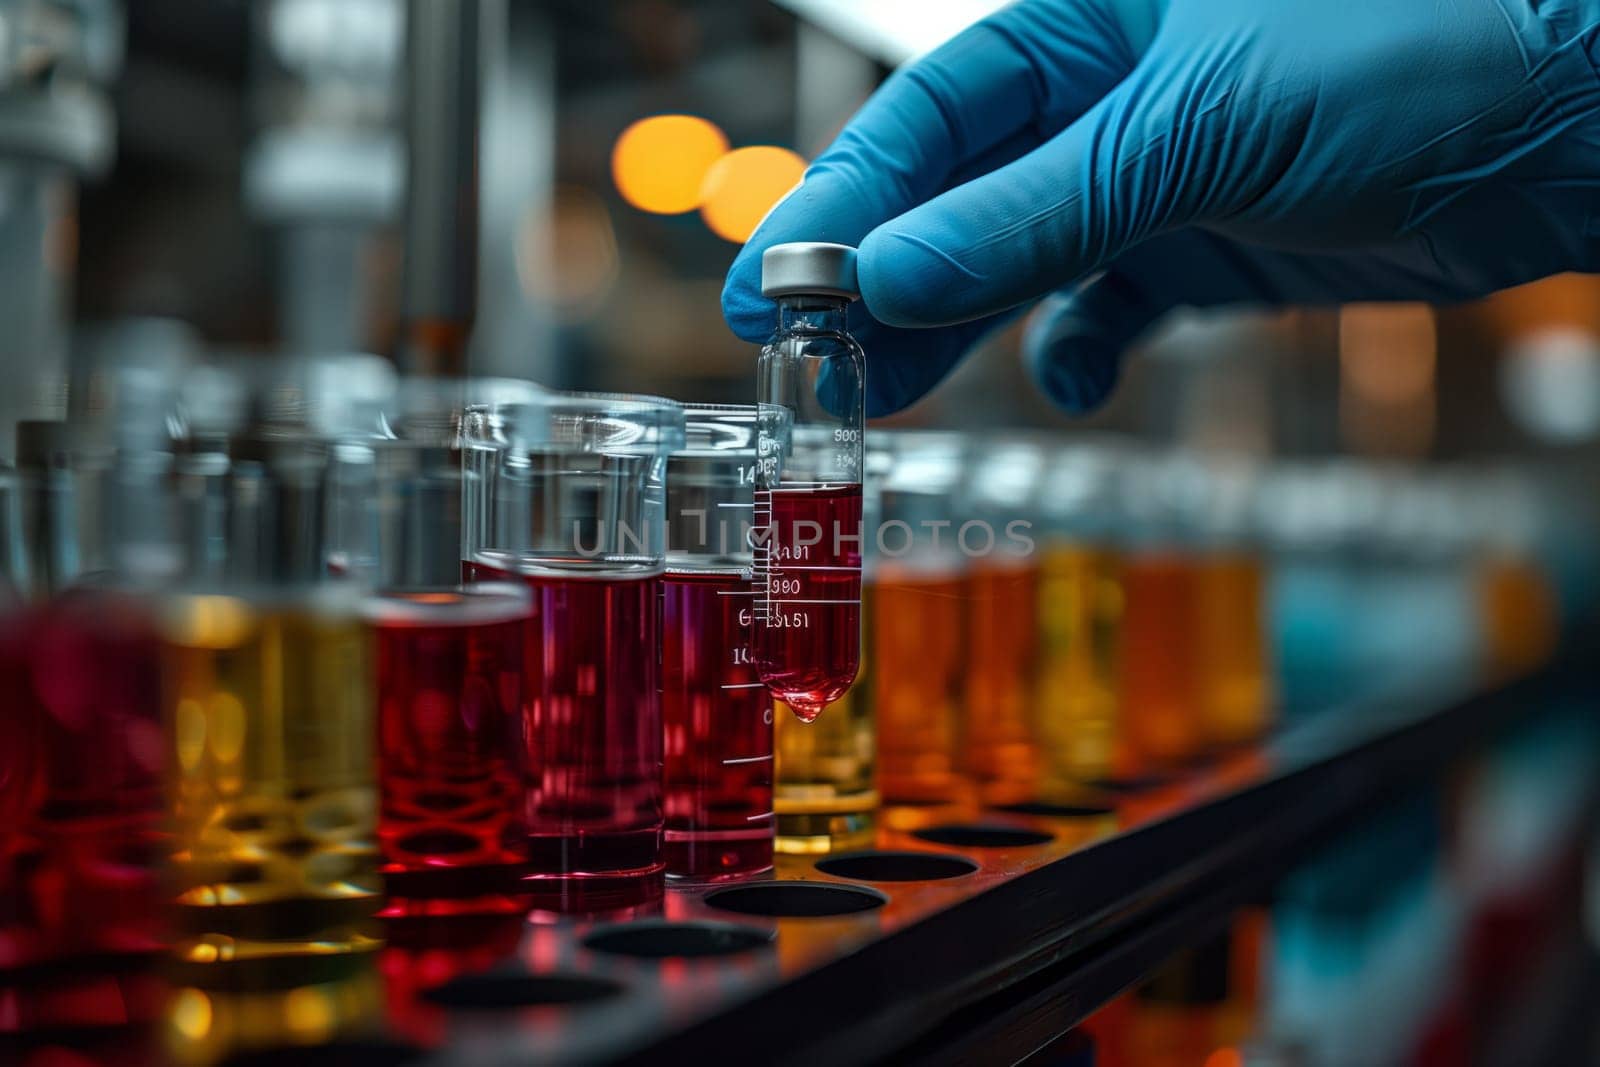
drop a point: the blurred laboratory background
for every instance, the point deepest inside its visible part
(237, 172)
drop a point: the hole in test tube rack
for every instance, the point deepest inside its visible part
(979, 835)
(897, 866)
(1057, 811)
(671, 940)
(519, 989)
(375, 1053)
(797, 900)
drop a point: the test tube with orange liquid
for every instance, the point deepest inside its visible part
(1516, 600)
(999, 746)
(1237, 697)
(1159, 725)
(920, 645)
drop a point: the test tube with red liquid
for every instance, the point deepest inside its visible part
(566, 495)
(716, 712)
(451, 661)
(81, 749)
(449, 699)
(807, 524)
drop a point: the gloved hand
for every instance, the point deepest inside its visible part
(1131, 156)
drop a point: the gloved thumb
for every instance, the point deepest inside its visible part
(1035, 225)
(1074, 342)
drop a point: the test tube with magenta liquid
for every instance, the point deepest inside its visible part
(808, 480)
(716, 712)
(566, 494)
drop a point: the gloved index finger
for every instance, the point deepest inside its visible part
(1031, 67)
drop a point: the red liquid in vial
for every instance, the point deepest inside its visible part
(450, 693)
(81, 811)
(718, 723)
(808, 568)
(589, 747)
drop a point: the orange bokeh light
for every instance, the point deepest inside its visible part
(741, 187)
(659, 163)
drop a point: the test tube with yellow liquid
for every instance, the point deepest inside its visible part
(268, 689)
(1080, 620)
(825, 792)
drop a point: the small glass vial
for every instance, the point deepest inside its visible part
(807, 524)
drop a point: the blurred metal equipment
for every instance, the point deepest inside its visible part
(443, 101)
(56, 127)
(326, 169)
(517, 162)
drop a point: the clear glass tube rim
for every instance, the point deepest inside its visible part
(621, 423)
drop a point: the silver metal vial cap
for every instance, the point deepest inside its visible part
(809, 268)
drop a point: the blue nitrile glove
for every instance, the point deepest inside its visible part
(1198, 152)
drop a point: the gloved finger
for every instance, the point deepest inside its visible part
(994, 91)
(1075, 341)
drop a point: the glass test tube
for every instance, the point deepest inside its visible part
(450, 681)
(566, 494)
(267, 672)
(1236, 699)
(1516, 598)
(1159, 724)
(1080, 619)
(80, 745)
(716, 712)
(1001, 752)
(1312, 519)
(808, 480)
(919, 645)
(826, 793)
